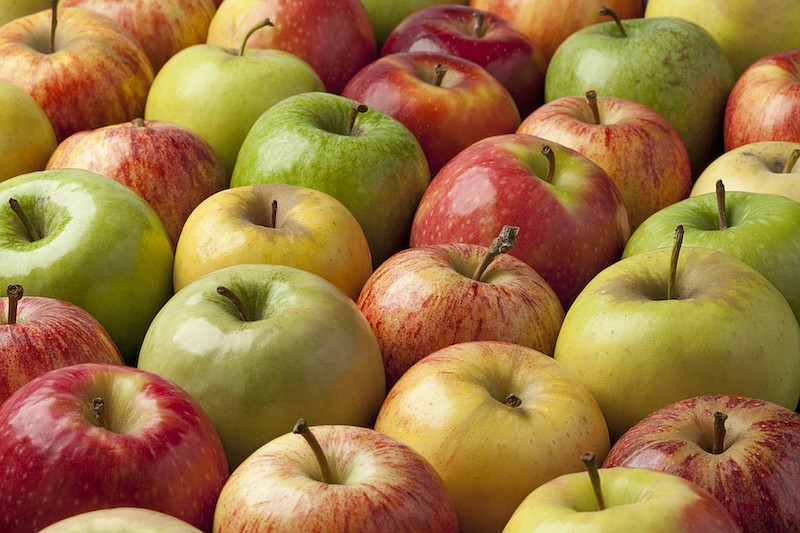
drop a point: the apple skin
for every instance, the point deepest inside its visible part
(379, 484)
(423, 299)
(313, 231)
(468, 105)
(764, 104)
(495, 45)
(727, 331)
(168, 165)
(750, 476)
(14, 9)
(161, 448)
(451, 408)
(570, 228)
(98, 74)
(121, 520)
(27, 137)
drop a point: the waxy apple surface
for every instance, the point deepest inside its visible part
(27, 137)
(121, 520)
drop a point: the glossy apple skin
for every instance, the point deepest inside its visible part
(424, 298)
(450, 407)
(637, 499)
(161, 448)
(385, 16)
(750, 477)
(168, 165)
(764, 104)
(335, 37)
(468, 105)
(570, 228)
(98, 75)
(121, 520)
(379, 484)
(637, 147)
(727, 331)
(27, 137)
(496, 46)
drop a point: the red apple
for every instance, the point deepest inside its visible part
(572, 219)
(447, 102)
(479, 36)
(764, 104)
(638, 148)
(168, 165)
(95, 436)
(744, 451)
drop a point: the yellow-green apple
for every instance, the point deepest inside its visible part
(669, 324)
(168, 165)
(426, 298)
(14, 9)
(83, 69)
(655, 62)
(260, 345)
(745, 29)
(38, 334)
(161, 27)
(274, 223)
(219, 92)
(385, 15)
(765, 167)
(496, 420)
(365, 159)
(637, 147)
(764, 104)
(121, 520)
(571, 216)
(447, 102)
(82, 237)
(479, 36)
(332, 479)
(95, 436)
(27, 137)
(741, 450)
(335, 37)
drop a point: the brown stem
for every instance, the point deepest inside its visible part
(478, 19)
(98, 408)
(591, 99)
(722, 215)
(264, 23)
(351, 118)
(138, 122)
(53, 24)
(14, 294)
(673, 262)
(501, 244)
(237, 303)
(33, 235)
(512, 400)
(438, 72)
(608, 12)
(793, 157)
(301, 428)
(273, 221)
(551, 162)
(718, 445)
(590, 461)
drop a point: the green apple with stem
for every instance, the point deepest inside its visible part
(27, 137)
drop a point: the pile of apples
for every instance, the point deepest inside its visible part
(399, 265)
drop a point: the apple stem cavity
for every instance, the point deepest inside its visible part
(551, 162)
(513, 401)
(263, 24)
(721, 211)
(590, 461)
(14, 294)
(53, 24)
(355, 110)
(718, 444)
(98, 408)
(501, 244)
(33, 235)
(793, 157)
(673, 262)
(301, 428)
(591, 99)
(478, 27)
(438, 74)
(236, 301)
(608, 12)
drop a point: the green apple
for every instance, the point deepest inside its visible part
(365, 159)
(259, 346)
(91, 241)
(671, 65)
(27, 137)
(14, 9)
(385, 15)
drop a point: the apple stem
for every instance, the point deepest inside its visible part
(793, 157)
(138, 122)
(98, 408)
(274, 214)
(512, 400)
(301, 428)
(53, 24)
(478, 29)
(439, 71)
(500, 245)
(14, 294)
(718, 446)
(33, 235)
(722, 215)
(551, 162)
(591, 99)
(237, 303)
(673, 262)
(608, 12)
(263, 24)
(351, 119)
(590, 461)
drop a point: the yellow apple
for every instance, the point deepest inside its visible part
(27, 137)
(14, 9)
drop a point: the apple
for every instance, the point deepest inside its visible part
(335, 37)
(447, 102)
(385, 16)
(83, 69)
(27, 137)
(764, 104)
(571, 216)
(93, 436)
(332, 479)
(14, 9)
(655, 62)
(741, 450)
(219, 92)
(479, 36)
(365, 159)
(496, 420)
(637, 147)
(274, 223)
(672, 323)
(257, 344)
(84, 238)
(426, 298)
(121, 520)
